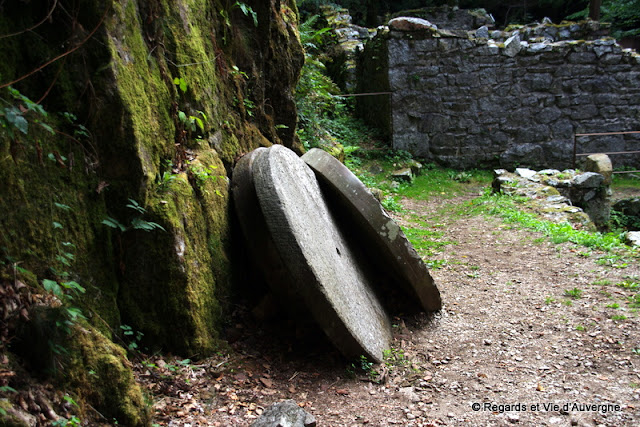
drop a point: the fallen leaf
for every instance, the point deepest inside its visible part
(266, 382)
(342, 392)
(540, 387)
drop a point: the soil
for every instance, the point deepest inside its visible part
(509, 346)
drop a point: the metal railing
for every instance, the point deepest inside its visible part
(575, 146)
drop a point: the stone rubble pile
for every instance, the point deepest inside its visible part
(582, 199)
(328, 249)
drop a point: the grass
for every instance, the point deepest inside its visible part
(444, 184)
(574, 293)
(510, 210)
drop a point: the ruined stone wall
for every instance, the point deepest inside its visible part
(467, 101)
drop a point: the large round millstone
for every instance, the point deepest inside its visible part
(317, 256)
(258, 239)
(378, 232)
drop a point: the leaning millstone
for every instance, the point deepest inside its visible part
(258, 240)
(317, 255)
(380, 234)
(285, 414)
(405, 23)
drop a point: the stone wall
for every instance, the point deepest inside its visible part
(468, 101)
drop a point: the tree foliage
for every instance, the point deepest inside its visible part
(624, 15)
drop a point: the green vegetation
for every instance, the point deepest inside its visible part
(574, 293)
(136, 223)
(511, 210)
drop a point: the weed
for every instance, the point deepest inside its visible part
(629, 283)
(580, 328)
(614, 305)
(505, 207)
(137, 223)
(391, 204)
(568, 303)
(574, 293)
(549, 300)
(363, 365)
(634, 301)
(134, 337)
(619, 317)
(602, 282)
(435, 264)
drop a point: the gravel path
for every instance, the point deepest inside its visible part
(509, 342)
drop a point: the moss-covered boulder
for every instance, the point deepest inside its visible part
(149, 105)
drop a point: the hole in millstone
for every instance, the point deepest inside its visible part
(338, 251)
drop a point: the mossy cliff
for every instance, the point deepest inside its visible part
(152, 101)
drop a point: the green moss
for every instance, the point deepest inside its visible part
(188, 262)
(143, 93)
(100, 375)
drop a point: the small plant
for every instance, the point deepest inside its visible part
(629, 283)
(193, 123)
(614, 305)
(181, 83)
(549, 300)
(580, 328)
(137, 223)
(63, 422)
(391, 204)
(246, 10)
(602, 282)
(618, 317)
(13, 118)
(202, 174)
(134, 337)
(574, 293)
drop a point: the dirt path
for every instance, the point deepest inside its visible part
(507, 335)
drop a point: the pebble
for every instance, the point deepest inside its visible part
(487, 342)
(513, 418)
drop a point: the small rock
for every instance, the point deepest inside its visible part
(633, 238)
(482, 32)
(588, 180)
(487, 342)
(512, 46)
(285, 414)
(525, 173)
(513, 418)
(405, 23)
(405, 175)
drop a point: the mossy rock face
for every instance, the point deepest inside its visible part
(174, 279)
(100, 373)
(83, 362)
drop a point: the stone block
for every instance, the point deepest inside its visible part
(588, 180)
(405, 23)
(599, 163)
(512, 46)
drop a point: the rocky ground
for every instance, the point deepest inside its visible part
(532, 333)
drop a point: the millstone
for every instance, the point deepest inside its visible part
(259, 242)
(379, 233)
(317, 256)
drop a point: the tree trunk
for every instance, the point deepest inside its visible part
(594, 9)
